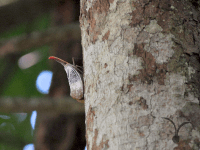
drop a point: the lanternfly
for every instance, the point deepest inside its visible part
(74, 76)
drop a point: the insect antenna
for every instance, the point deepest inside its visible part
(172, 123)
(76, 66)
(73, 61)
(182, 125)
(175, 138)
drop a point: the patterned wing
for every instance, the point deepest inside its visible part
(75, 82)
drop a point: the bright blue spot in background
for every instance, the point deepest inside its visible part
(29, 147)
(4, 117)
(33, 119)
(43, 81)
(85, 148)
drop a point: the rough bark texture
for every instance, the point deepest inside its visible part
(141, 63)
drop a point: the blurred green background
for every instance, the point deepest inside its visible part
(15, 128)
(31, 31)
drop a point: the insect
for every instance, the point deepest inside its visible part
(175, 138)
(74, 76)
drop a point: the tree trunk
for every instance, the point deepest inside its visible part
(141, 63)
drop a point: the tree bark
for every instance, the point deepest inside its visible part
(141, 63)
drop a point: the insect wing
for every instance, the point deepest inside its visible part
(75, 82)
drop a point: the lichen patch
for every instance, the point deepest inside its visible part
(153, 27)
(105, 37)
(161, 47)
(103, 144)
(93, 10)
(151, 69)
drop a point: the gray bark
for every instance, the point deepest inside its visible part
(141, 63)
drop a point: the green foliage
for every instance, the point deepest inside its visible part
(16, 132)
(23, 82)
